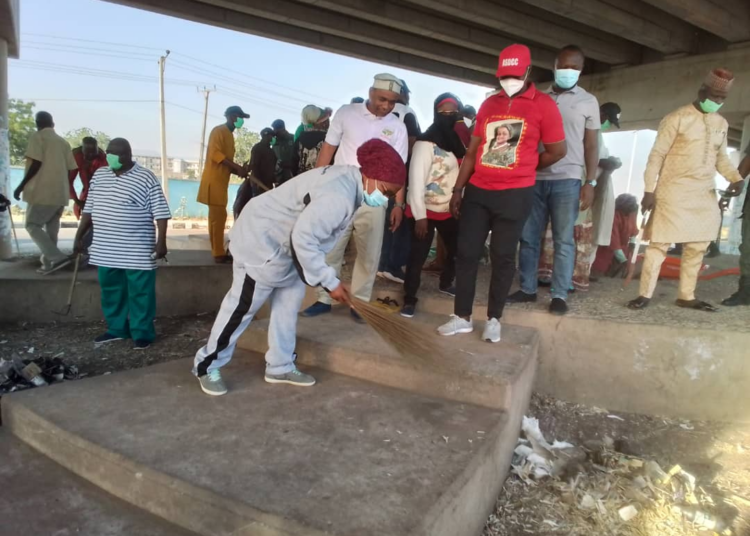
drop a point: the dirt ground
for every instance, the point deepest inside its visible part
(717, 454)
(177, 337)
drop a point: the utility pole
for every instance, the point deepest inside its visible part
(206, 92)
(163, 125)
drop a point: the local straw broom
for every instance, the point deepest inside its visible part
(410, 339)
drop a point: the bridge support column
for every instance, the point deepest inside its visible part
(6, 248)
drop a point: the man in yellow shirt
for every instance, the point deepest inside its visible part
(219, 165)
(45, 189)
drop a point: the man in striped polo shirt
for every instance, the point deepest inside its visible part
(124, 200)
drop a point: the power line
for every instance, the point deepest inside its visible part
(186, 56)
(90, 41)
(242, 96)
(130, 77)
(257, 79)
(120, 100)
(100, 73)
(231, 80)
(89, 100)
(89, 48)
(51, 49)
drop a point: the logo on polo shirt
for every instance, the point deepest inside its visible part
(387, 132)
(510, 62)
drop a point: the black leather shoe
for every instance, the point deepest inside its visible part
(520, 297)
(558, 306)
(640, 302)
(738, 298)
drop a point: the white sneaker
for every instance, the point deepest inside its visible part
(456, 325)
(491, 330)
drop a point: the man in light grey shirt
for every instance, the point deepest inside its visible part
(559, 193)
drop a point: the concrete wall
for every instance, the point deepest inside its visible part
(647, 93)
(180, 290)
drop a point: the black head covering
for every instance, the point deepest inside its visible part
(441, 132)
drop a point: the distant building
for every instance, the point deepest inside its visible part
(150, 162)
(178, 168)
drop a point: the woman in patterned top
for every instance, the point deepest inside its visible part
(435, 160)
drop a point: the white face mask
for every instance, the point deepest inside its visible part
(511, 86)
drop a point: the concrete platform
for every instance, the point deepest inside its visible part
(189, 284)
(346, 457)
(476, 372)
(40, 498)
(654, 368)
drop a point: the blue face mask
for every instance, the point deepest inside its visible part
(566, 78)
(375, 199)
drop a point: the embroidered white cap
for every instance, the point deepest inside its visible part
(388, 82)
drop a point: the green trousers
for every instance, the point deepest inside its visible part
(129, 302)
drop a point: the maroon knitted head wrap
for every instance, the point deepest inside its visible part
(381, 162)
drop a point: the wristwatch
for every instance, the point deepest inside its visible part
(592, 183)
(402, 206)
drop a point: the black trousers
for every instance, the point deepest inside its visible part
(420, 249)
(503, 212)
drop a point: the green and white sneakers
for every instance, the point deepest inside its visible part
(212, 384)
(293, 377)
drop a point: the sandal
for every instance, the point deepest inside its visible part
(698, 305)
(388, 304)
(641, 302)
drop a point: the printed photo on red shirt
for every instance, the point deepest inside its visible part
(502, 141)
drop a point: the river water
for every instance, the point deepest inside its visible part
(182, 194)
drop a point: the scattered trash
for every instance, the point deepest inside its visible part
(445, 438)
(616, 417)
(19, 374)
(704, 520)
(598, 489)
(627, 512)
(30, 350)
(686, 426)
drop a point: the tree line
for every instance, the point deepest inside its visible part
(21, 126)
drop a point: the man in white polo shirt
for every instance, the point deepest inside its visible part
(353, 125)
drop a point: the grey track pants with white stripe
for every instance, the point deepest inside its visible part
(240, 305)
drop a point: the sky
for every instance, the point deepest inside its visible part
(95, 64)
(63, 43)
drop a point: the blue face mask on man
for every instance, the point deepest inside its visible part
(375, 199)
(566, 78)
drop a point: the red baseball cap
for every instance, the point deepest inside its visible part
(513, 61)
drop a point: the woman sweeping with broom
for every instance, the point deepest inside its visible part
(280, 244)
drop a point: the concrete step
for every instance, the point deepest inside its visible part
(189, 284)
(496, 376)
(40, 498)
(345, 457)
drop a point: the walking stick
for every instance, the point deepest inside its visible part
(634, 256)
(66, 309)
(15, 236)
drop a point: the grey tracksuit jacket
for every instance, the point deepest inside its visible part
(286, 233)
